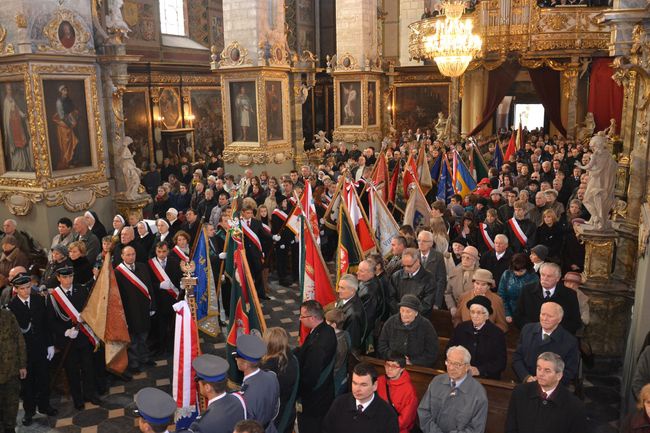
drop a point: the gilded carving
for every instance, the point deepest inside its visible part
(20, 203)
(9, 48)
(21, 21)
(66, 33)
(77, 199)
(346, 62)
(555, 21)
(234, 55)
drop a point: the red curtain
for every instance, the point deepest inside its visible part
(546, 82)
(499, 82)
(605, 96)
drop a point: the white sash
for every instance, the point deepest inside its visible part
(251, 235)
(180, 253)
(63, 301)
(133, 278)
(514, 225)
(486, 237)
(160, 273)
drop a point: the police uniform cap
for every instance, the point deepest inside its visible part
(155, 406)
(20, 279)
(250, 347)
(65, 271)
(210, 368)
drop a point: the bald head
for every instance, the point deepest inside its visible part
(80, 225)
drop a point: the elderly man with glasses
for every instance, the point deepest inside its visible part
(454, 401)
(413, 279)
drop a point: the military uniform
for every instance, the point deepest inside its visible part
(31, 315)
(13, 357)
(225, 410)
(283, 240)
(155, 407)
(260, 388)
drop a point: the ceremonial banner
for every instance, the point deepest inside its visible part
(514, 143)
(349, 251)
(380, 176)
(392, 188)
(417, 210)
(104, 314)
(359, 219)
(186, 348)
(445, 188)
(307, 208)
(464, 183)
(436, 165)
(207, 307)
(424, 174)
(497, 161)
(478, 167)
(409, 176)
(382, 220)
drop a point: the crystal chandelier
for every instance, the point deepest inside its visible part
(448, 40)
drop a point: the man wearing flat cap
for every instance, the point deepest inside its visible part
(63, 308)
(260, 388)
(31, 313)
(224, 409)
(155, 409)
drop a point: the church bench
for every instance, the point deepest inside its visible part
(441, 321)
(508, 374)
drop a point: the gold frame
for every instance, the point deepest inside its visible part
(363, 132)
(337, 101)
(176, 92)
(147, 104)
(51, 32)
(187, 92)
(284, 90)
(12, 74)
(226, 81)
(377, 103)
(418, 84)
(97, 171)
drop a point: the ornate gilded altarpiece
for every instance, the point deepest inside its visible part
(62, 117)
(256, 122)
(356, 107)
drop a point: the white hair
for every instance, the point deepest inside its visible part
(351, 280)
(467, 357)
(501, 236)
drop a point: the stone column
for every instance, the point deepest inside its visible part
(473, 99)
(357, 73)
(254, 69)
(570, 80)
(409, 11)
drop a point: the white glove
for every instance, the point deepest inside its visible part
(222, 256)
(72, 333)
(322, 232)
(322, 220)
(151, 313)
(50, 353)
(276, 238)
(166, 285)
(282, 247)
(223, 278)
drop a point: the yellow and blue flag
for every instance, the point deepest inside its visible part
(445, 187)
(463, 183)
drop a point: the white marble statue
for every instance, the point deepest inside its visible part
(130, 171)
(610, 131)
(599, 195)
(441, 125)
(321, 141)
(114, 19)
(587, 130)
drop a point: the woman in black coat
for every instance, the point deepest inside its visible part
(83, 269)
(281, 360)
(483, 339)
(551, 234)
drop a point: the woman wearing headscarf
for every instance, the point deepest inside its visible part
(94, 224)
(118, 225)
(144, 236)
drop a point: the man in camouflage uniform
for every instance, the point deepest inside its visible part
(13, 366)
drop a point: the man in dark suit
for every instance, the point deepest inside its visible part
(316, 357)
(545, 405)
(166, 279)
(31, 315)
(192, 224)
(253, 234)
(361, 411)
(412, 279)
(434, 262)
(138, 300)
(497, 261)
(549, 289)
(127, 239)
(372, 296)
(546, 336)
(83, 233)
(352, 307)
(73, 338)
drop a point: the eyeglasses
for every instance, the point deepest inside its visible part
(305, 317)
(455, 364)
(424, 241)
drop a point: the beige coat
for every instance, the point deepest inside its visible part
(458, 283)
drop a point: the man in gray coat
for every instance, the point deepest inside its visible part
(454, 401)
(260, 388)
(224, 410)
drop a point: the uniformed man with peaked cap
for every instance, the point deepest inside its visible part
(260, 388)
(224, 409)
(156, 410)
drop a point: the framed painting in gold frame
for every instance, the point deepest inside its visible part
(16, 128)
(416, 105)
(137, 123)
(207, 121)
(241, 109)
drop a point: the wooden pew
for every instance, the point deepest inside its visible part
(441, 321)
(498, 393)
(508, 374)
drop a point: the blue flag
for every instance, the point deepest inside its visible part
(497, 161)
(436, 165)
(445, 187)
(205, 290)
(464, 183)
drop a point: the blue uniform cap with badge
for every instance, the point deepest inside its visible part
(20, 280)
(155, 406)
(65, 271)
(250, 347)
(210, 368)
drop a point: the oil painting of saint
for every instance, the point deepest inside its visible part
(350, 103)
(66, 34)
(243, 102)
(16, 139)
(274, 110)
(372, 103)
(170, 108)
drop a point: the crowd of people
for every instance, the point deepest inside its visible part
(504, 258)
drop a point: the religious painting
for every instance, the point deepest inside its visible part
(274, 126)
(372, 103)
(207, 122)
(243, 111)
(67, 123)
(350, 103)
(418, 105)
(14, 129)
(66, 34)
(170, 107)
(137, 124)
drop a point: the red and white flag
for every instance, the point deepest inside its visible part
(186, 348)
(359, 218)
(307, 208)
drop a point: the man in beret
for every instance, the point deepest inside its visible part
(31, 313)
(156, 410)
(224, 410)
(260, 388)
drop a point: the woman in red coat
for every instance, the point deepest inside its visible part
(395, 387)
(639, 421)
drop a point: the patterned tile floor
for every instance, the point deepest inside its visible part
(115, 415)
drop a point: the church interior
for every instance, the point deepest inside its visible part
(97, 93)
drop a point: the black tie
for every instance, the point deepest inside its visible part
(360, 408)
(27, 304)
(548, 294)
(545, 337)
(68, 293)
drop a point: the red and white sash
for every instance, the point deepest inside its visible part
(161, 275)
(278, 212)
(486, 236)
(250, 234)
(266, 228)
(181, 254)
(133, 278)
(65, 304)
(516, 229)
